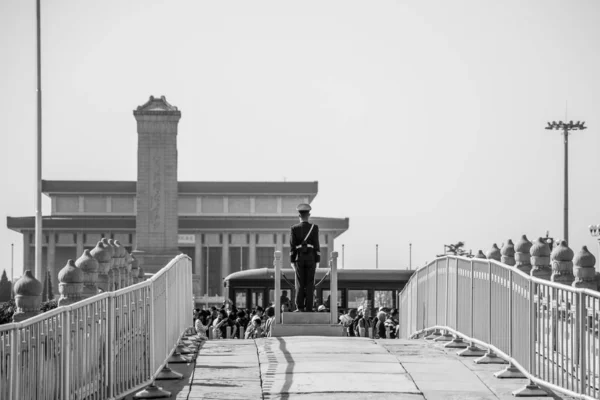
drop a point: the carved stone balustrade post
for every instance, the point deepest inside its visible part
(89, 266)
(508, 253)
(522, 255)
(142, 275)
(103, 255)
(113, 272)
(562, 264)
(540, 260)
(135, 270)
(494, 253)
(71, 284)
(28, 297)
(480, 255)
(122, 257)
(585, 274)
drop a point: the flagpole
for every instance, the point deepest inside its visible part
(39, 268)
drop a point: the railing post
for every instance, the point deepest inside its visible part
(447, 287)
(14, 361)
(152, 329)
(333, 286)
(583, 317)
(110, 368)
(277, 262)
(65, 353)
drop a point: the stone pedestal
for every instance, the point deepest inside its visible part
(71, 284)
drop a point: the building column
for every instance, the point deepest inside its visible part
(50, 262)
(79, 250)
(199, 262)
(252, 251)
(225, 267)
(330, 236)
(26, 250)
(279, 242)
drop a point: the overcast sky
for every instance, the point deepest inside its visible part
(423, 121)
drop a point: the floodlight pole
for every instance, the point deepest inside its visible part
(410, 256)
(566, 128)
(376, 256)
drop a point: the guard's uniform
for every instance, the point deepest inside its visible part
(305, 253)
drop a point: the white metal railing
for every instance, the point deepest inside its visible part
(548, 330)
(104, 347)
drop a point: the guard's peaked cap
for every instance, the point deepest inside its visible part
(303, 207)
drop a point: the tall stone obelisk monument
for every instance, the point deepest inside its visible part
(156, 219)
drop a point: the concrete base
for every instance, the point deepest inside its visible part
(281, 330)
(153, 261)
(510, 372)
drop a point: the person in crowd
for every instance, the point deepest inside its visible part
(220, 324)
(200, 327)
(260, 312)
(284, 298)
(392, 322)
(380, 331)
(364, 323)
(242, 320)
(270, 312)
(214, 314)
(254, 329)
(285, 308)
(347, 319)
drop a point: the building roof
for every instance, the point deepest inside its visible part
(359, 275)
(225, 223)
(220, 188)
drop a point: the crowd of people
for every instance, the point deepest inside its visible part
(230, 322)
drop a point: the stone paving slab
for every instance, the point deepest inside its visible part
(325, 368)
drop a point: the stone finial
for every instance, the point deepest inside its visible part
(562, 264)
(28, 297)
(142, 274)
(508, 253)
(584, 271)
(71, 284)
(89, 266)
(103, 255)
(480, 255)
(494, 253)
(540, 259)
(522, 255)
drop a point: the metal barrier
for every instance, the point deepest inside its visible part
(547, 330)
(104, 347)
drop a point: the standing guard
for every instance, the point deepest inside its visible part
(305, 256)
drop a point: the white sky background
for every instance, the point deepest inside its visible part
(423, 121)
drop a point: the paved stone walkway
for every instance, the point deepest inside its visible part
(308, 368)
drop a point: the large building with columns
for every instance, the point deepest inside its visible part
(223, 226)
